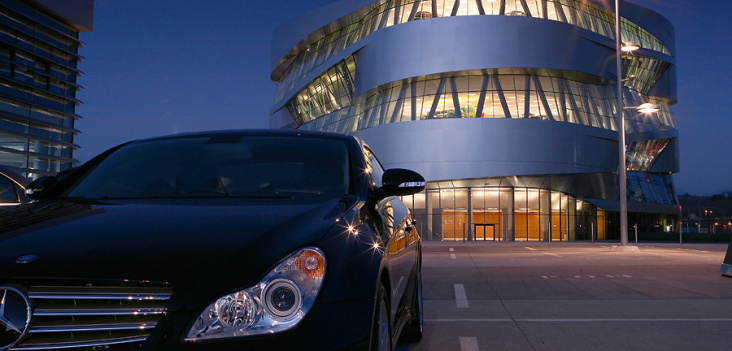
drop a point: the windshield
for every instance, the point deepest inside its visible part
(226, 165)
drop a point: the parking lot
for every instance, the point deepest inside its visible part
(574, 296)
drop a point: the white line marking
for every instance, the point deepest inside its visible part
(453, 255)
(461, 300)
(531, 248)
(469, 343)
(469, 320)
(576, 320)
(551, 254)
(451, 249)
(618, 275)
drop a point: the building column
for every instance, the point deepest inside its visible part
(428, 211)
(470, 214)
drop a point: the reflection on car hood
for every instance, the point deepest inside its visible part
(166, 242)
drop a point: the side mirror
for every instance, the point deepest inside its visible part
(38, 186)
(410, 225)
(400, 182)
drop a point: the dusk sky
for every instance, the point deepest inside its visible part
(156, 67)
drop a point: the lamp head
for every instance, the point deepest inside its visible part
(629, 46)
(648, 108)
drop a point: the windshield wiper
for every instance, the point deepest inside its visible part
(83, 198)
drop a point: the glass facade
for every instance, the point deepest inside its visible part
(389, 13)
(650, 187)
(641, 155)
(38, 71)
(532, 214)
(505, 214)
(330, 92)
(647, 72)
(478, 95)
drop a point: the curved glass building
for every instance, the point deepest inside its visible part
(507, 107)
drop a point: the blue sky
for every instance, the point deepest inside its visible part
(155, 67)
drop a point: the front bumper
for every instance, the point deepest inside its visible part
(337, 326)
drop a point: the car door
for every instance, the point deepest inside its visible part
(393, 217)
(393, 214)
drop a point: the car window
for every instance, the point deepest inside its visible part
(7, 191)
(374, 166)
(223, 165)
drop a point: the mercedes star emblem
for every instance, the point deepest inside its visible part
(26, 258)
(15, 314)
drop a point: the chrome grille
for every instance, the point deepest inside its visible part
(93, 316)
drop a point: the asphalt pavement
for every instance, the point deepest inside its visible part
(574, 296)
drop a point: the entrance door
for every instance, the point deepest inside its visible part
(487, 225)
(485, 231)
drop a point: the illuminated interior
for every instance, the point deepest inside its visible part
(475, 95)
(505, 214)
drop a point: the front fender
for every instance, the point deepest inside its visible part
(355, 258)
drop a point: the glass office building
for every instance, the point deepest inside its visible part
(39, 56)
(507, 107)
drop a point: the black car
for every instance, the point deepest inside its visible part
(231, 240)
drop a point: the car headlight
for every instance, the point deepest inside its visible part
(277, 303)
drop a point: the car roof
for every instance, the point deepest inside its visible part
(14, 176)
(255, 132)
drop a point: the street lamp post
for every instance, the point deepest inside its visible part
(621, 134)
(644, 108)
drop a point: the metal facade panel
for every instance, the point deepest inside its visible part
(444, 149)
(451, 44)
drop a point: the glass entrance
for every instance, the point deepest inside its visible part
(487, 225)
(485, 232)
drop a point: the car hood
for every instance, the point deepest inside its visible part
(214, 244)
